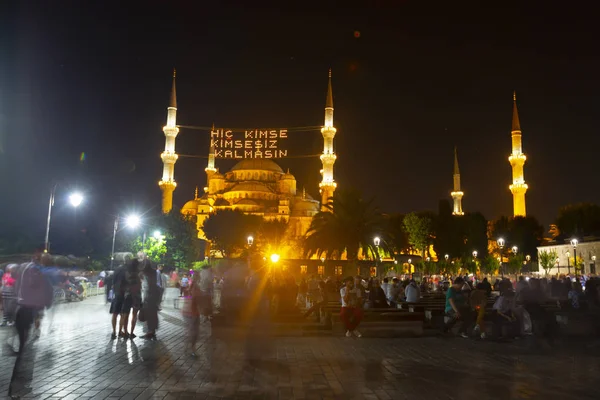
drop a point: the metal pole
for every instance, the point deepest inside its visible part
(575, 259)
(144, 242)
(50, 204)
(112, 253)
(568, 266)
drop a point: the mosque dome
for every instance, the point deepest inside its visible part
(287, 175)
(260, 164)
(250, 187)
(191, 207)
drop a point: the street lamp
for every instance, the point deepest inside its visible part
(446, 257)
(274, 258)
(474, 254)
(131, 221)
(157, 235)
(568, 254)
(574, 244)
(75, 199)
(501, 242)
(594, 264)
(250, 240)
(376, 241)
(515, 249)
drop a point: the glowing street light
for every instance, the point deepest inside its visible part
(250, 240)
(446, 257)
(376, 241)
(133, 221)
(274, 258)
(157, 235)
(474, 254)
(574, 244)
(75, 199)
(515, 249)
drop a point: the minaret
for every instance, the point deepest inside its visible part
(210, 168)
(169, 157)
(517, 160)
(457, 194)
(328, 185)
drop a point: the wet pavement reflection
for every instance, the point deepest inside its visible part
(75, 358)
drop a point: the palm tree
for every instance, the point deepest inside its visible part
(349, 225)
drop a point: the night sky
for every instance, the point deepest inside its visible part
(95, 77)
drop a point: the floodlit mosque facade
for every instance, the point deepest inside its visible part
(259, 186)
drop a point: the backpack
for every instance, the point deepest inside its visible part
(34, 289)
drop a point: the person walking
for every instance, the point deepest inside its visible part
(151, 301)
(119, 287)
(351, 313)
(206, 286)
(183, 285)
(133, 296)
(9, 300)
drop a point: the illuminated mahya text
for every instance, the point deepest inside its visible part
(249, 144)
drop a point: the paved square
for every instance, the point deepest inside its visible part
(77, 360)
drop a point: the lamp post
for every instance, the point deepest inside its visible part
(75, 199)
(594, 265)
(501, 242)
(527, 259)
(574, 244)
(474, 255)
(558, 264)
(377, 242)
(131, 221)
(568, 254)
(250, 240)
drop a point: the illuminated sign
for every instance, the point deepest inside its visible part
(257, 143)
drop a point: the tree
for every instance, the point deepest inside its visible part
(181, 240)
(475, 235)
(228, 230)
(515, 263)
(447, 231)
(349, 225)
(418, 229)
(490, 265)
(398, 239)
(579, 220)
(154, 248)
(547, 259)
(272, 235)
(524, 232)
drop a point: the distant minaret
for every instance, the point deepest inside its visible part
(210, 168)
(456, 192)
(169, 157)
(517, 160)
(328, 185)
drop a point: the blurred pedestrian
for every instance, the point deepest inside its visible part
(9, 300)
(151, 301)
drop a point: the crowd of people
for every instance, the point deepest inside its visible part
(519, 306)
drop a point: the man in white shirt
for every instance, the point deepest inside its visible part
(352, 312)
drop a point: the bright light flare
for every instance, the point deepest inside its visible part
(274, 258)
(133, 221)
(76, 199)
